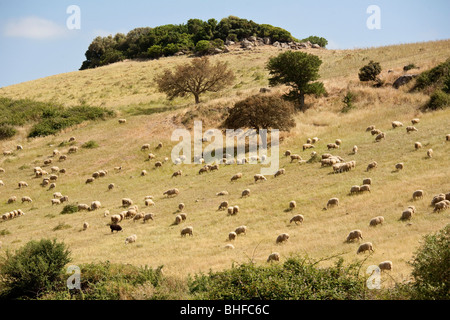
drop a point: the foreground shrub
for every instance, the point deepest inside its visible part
(296, 279)
(7, 131)
(370, 71)
(33, 269)
(439, 100)
(431, 268)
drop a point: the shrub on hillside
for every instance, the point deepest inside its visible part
(33, 269)
(7, 131)
(296, 279)
(91, 144)
(439, 100)
(69, 209)
(431, 269)
(370, 71)
(261, 112)
(316, 40)
(434, 77)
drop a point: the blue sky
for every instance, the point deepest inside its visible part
(35, 41)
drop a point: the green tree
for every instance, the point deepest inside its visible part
(316, 40)
(297, 70)
(203, 47)
(196, 78)
(261, 112)
(34, 269)
(370, 71)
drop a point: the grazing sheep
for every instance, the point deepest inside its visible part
(437, 198)
(73, 149)
(56, 201)
(273, 257)
(56, 152)
(72, 139)
(183, 216)
(230, 211)
(95, 205)
(282, 238)
(54, 169)
(430, 153)
(232, 236)
(236, 176)
(245, 193)
(333, 202)
(26, 199)
(295, 157)
(90, 180)
(145, 147)
(417, 145)
(235, 210)
(118, 168)
(447, 137)
(12, 199)
(138, 217)
(279, 172)
(178, 219)
(181, 206)
(355, 189)
(380, 136)
(115, 219)
(241, 230)
(22, 184)
(204, 169)
(354, 235)
(417, 194)
(122, 121)
(355, 149)
(375, 131)
(115, 227)
(407, 214)
(307, 146)
(143, 173)
(19, 147)
(214, 167)
(385, 265)
(158, 164)
(64, 199)
(187, 230)
(176, 174)
(7, 153)
(292, 204)
(126, 202)
(415, 121)
(258, 177)
(171, 192)
(85, 225)
(53, 177)
(372, 165)
(131, 239)
(364, 187)
(338, 142)
(370, 128)
(367, 181)
(229, 246)
(82, 206)
(441, 205)
(287, 153)
(63, 158)
(111, 186)
(3, 170)
(376, 221)
(399, 166)
(223, 205)
(2, 183)
(159, 146)
(222, 193)
(367, 246)
(315, 140)
(396, 124)
(410, 129)
(332, 146)
(47, 162)
(297, 219)
(148, 216)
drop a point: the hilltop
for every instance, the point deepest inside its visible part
(127, 88)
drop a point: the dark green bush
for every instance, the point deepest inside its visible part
(348, 101)
(91, 144)
(439, 100)
(316, 40)
(434, 77)
(69, 209)
(409, 67)
(203, 47)
(296, 279)
(370, 71)
(7, 131)
(431, 268)
(33, 269)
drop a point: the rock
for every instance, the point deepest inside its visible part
(403, 80)
(226, 49)
(229, 42)
(252, 38)
(246, 44)
(276, 44)
(315, 46)
(267, 41)
(179, 53)
(217, 50)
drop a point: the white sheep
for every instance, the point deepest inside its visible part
(145, 147)
(22, 184)
(282, 238)
(56, 201)
(241, 230)
(307, 146)
(245, 193)
(273, 257)
(95, 205)
(126, 202)
(297, 219)
(295, 157)
(292, 204)
(171, 192)
(367, 246)
(417, 145)
(187, 230)
(82, 206)
(229, 246)
(380, 136)
(131, 239)
(376, 221)
(399, 166)
(355, 189)
(258, 177)
(122, 121)
(415, 121)
(111, 186)
(441, 205)
(181, 206)
(232, 236)
(222, 193)
(138, 216)
(364, 187)
(26, 199)
(355, 149)
(332, 146)
(372, 165)
(385, 265)
(333, 202)
(396, 124)
(418, 194)
(430, 153)
(279, 172)
(223, 205)
(236, 176)
(410, 129)
(354, 235)
(85, 225)
(148, 216)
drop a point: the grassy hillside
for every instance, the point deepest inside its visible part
(128, 88)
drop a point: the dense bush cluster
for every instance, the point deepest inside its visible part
(195, 36)
(47, 118)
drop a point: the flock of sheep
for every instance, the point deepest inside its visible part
(131, 211)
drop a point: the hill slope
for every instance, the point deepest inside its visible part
(127, 87)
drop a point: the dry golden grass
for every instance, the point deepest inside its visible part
(265, 212)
